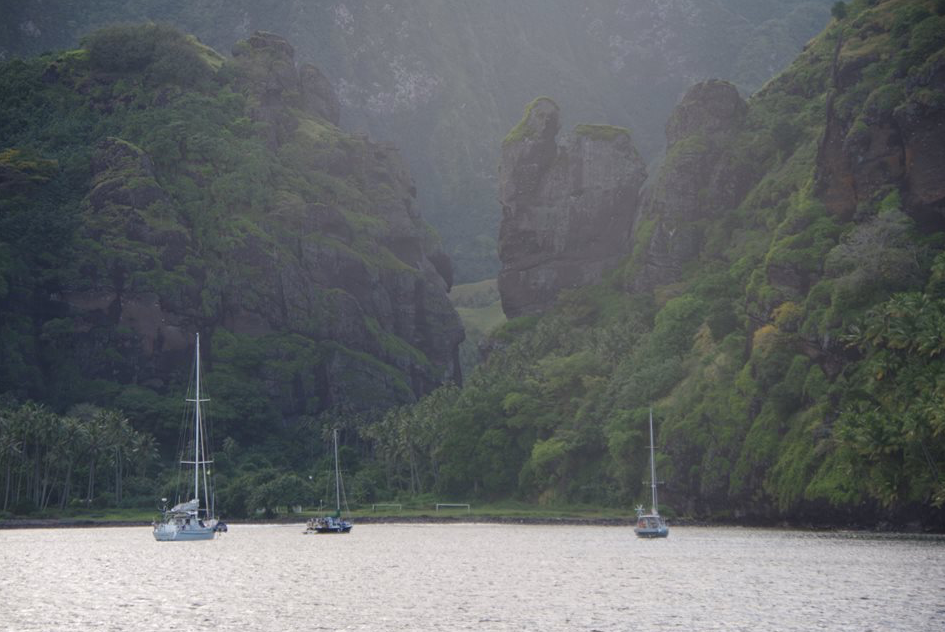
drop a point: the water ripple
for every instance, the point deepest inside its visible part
(471, 577)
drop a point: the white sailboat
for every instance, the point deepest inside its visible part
(334, 523)
(651, 525)
(187, 520)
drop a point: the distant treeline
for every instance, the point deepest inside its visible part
(87, 457)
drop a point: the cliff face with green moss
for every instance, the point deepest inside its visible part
(445, 79)
(779, 305)
(566, 209)
(151, 188)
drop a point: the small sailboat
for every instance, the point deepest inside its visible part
(651, 525)
(187, 519)
(334, 523)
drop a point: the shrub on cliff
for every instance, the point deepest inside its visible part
(160, 52)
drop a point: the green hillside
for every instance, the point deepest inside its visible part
(151, 189)
(795, 364)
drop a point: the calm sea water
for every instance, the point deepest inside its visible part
(471, 577)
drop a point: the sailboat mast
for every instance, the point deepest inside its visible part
(197, 458)
(652, 463)
(337, 475)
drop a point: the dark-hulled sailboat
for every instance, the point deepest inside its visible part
(334, 523)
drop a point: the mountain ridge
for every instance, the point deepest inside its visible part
(445, 80)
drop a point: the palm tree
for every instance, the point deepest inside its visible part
(45, 430)
(70, 449)
(10, 448)
(33, 424)
(95, 424)
(144, 449)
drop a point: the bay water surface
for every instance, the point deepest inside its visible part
(471, 577)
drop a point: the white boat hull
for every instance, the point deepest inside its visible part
(178, 528)
(175, 533)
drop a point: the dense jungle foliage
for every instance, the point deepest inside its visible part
(201, 177)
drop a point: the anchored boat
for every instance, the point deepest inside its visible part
(334, 523)
(651, 525)
(189, 520)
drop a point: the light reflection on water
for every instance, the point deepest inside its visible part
(470, 577)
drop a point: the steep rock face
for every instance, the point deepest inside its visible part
(337, 287)
(267, 68)
(921, 122)
(297, 249)
(566, 210)
(896, 139)
(129, 230)
(695, 182)
(711, 107)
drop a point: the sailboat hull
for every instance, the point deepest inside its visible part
(335, 523)
(652, 533)
(651, 526)
(172, 533)
(326, 525)
(323, 530)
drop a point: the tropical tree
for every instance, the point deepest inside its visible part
(41, 451)
(10, 450)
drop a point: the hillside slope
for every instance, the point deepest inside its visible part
(779, 305)
(151, 188)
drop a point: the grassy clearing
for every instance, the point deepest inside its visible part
(479, 294)
(482, 319)
(503, 509)
(416, 509)
(81, 515)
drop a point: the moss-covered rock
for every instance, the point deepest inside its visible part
(566, 210)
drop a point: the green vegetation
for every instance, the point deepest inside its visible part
(602, 132)
(482, 319)
(523, 130)
(475, 295)
(839, 10)
(142, 170)
(480, 309)
(87, 458)
(794, 369)
(158, 53)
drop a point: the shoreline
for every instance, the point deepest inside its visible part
(85, 523)
(73, 523)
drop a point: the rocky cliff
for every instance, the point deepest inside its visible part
(566, 210)
(698, 180)
(889, 135)
(446, 80)
(222, 198)
(780, 300)
(572, 213)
